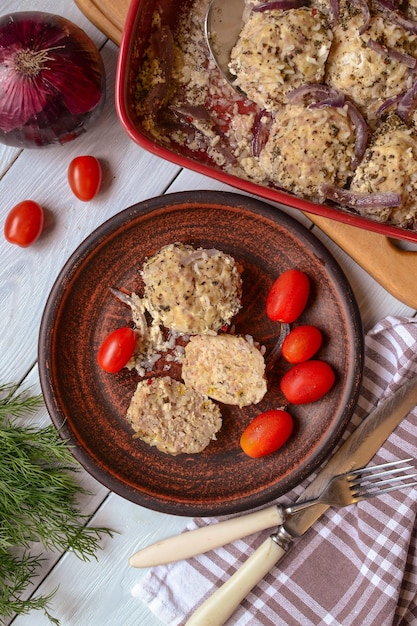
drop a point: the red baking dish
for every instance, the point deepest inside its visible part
(135, 40)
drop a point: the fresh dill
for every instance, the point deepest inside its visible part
(38, 491)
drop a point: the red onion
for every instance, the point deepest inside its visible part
(312, 91)
(261, 128)
(276, 350)
(396, 16)
(334, 11)
(279, 5)
(162, 44)
(52, 81)
(393, 54)
(407, 103)
(390, 103)
(354, 200)
(362, 132)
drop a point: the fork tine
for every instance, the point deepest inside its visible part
(379, 492)
(357, 487)
(377, 478)
(372, 469)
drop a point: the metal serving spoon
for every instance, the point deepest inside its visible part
(222, 25)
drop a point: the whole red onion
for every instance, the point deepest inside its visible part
(52, 80)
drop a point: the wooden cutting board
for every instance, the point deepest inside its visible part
(395, 269)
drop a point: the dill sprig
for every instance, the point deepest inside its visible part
(38, 491)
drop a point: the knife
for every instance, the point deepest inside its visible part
(354, 453)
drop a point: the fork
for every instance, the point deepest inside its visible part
(356, 485)
(342, 490)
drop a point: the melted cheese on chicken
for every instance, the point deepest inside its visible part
(191, 291)
(227, 368)
(363, 73)
(390, 164)
(278, 51)
(177, 420)
(309, 147)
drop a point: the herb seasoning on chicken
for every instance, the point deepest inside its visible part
(176, 419)
(308, 147)
(191, 290)
(278, 51)
(390, 164)
(373, 66)
(227, 368)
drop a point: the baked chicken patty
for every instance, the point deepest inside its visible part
(308, 147)
(227, 368)
(361, 66)
(277, 51)
(176, 419)
(191, 290)
(390, 164)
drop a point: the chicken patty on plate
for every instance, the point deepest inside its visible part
(176, 419)
(191, 290)
(227, 368)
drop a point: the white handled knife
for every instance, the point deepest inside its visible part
(355, 452)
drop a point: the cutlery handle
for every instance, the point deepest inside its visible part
(222, 604)
(207, 538)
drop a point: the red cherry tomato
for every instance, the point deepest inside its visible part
(301, 343)
(266, 433)
(307, 382)
(84, 177)
(116, 349)
(288, 296)
(24, 223)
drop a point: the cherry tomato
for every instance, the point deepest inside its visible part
(307, 382)
(301, 343)
(266, 433)
(288, 296)
(84, 177)
(116, 349)
(24, 223)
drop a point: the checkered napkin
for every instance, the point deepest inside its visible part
(356, 566)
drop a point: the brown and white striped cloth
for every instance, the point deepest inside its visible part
(356, 566)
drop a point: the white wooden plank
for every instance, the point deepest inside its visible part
(26, 275)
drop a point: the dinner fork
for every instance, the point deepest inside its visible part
(342, 490)
(360, 484)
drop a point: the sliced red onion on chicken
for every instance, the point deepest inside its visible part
(355, 200)
(279, 5)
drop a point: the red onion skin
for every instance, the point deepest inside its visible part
(60, 98)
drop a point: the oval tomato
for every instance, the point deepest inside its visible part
(24, 223)
(307, 382)
(116, 349)
(301, 343)
(288, 296)
(266, 433)
(84, 177)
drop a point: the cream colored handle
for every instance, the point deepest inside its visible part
(222, 604)
(207, 538)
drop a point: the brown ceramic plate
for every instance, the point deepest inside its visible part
(88, 405)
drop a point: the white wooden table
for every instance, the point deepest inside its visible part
(98, 593)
